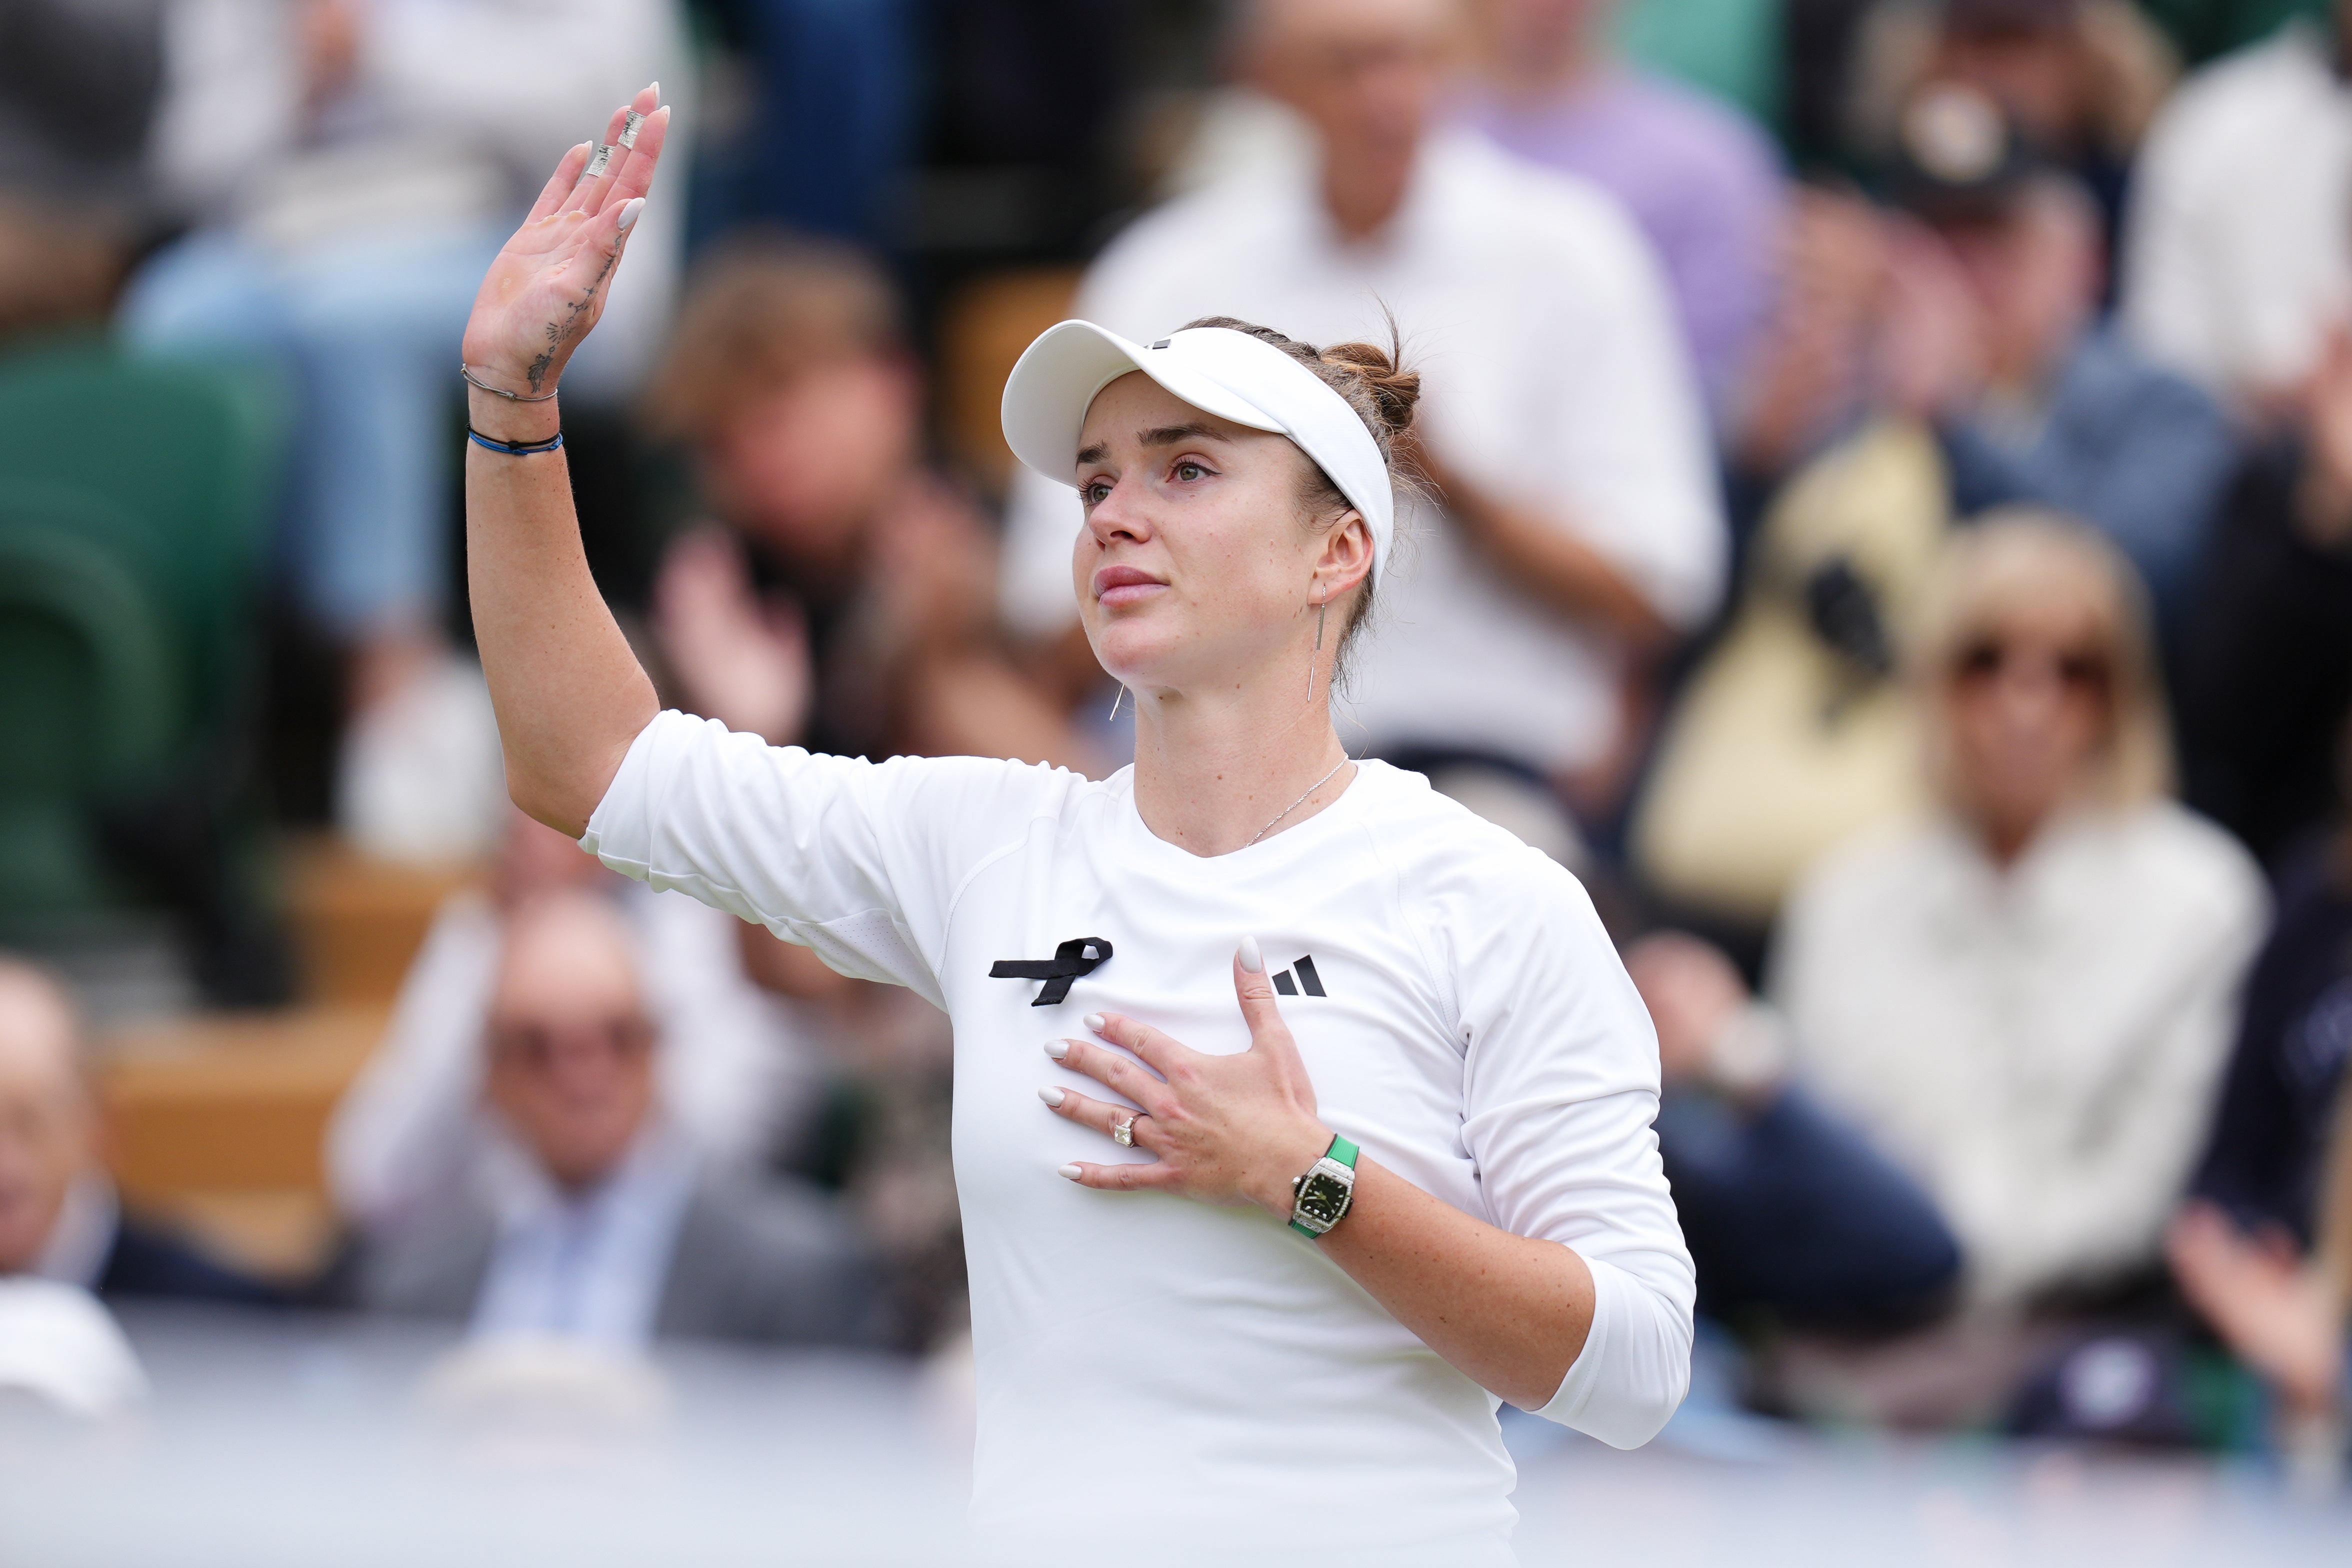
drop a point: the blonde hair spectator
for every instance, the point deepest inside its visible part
(2028, 561)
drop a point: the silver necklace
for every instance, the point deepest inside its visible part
(1295, 805)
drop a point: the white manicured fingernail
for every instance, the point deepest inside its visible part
(1070, 1171)
(1093, 1021)
(657, 92)
(1253, 959)
(630, 211)
(1052, 1096)
(1057, 1049)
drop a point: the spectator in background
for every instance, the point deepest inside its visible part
(1925, 366)
(82, 78)
(2080, 78)
(1977, 312)
(841, 601)
(1516, 631)
(350, 167)
(740, 1078)
(1995, 338)
(2263, 1248)
(2025, 1000)
(601, 1224)
(59, 1214)
(838, 85)
(1702, 181)
(2268, 681)
(2238, 263)
(1786, 1210)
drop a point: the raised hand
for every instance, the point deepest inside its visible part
(548, 286)
(1227, 1129)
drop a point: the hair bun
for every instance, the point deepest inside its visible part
(1393, 390)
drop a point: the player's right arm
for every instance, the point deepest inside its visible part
(569, 694)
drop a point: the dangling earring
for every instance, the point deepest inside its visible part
(1322, 607)
(1115, 702)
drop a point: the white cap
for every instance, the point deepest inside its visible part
(1216, 370)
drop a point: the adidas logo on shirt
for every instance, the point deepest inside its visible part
(1307, 981)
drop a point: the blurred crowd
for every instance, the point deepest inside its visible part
(1883, 518)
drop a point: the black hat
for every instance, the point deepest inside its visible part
(1958, 156)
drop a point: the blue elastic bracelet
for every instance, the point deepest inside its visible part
(515, 449)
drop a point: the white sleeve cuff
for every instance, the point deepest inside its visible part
(1635, 1368)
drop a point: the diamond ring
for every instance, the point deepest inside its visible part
(1123, 1132)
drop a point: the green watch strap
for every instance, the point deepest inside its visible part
(1343, 1151)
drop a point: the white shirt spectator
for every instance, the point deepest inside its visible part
(736, 1064)
(435, 128)
(1554, 375)
(2037, 1047)
(2240, 253)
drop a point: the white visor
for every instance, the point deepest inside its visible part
(1216, 370)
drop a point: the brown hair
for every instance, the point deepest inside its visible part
(758, 311)
(1373, 382)
(2019, 552)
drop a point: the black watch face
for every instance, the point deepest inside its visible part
(1323, 1198)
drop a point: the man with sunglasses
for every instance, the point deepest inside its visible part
(593, 1221)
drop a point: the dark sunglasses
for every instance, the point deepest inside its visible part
(1983, 662)
(536, 1045)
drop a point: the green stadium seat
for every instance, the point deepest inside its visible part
(135, 500)
(188, 453)
(95, 691)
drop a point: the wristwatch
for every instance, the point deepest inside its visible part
(1321, 1197)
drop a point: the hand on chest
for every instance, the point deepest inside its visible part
(1351, 991)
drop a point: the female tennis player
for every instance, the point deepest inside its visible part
(1345, 1122)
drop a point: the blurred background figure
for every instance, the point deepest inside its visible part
(1701, 179)
(740, 1078)
(2268, 680)
(842, 599)
(839, 85)
(291, 136)
(1788, 1212)
(598, 1221)
(2026, 1000)
(1995, 337)
(2079, 79)
(1519, 634)
(1928, 365)
(75, 204)
(2023, 1000)
(2237, 267)
(1977, 312)
(60, 1218)
(2263, 1248)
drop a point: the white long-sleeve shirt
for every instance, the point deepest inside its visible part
(1142, 1356)
(2039, 1046)
(2237, 261)
(1554, 375)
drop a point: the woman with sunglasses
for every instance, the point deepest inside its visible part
(2026, 999)
(1345, 1133)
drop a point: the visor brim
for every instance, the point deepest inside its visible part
(1056, 381)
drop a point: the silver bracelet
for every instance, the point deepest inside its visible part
(467, 373)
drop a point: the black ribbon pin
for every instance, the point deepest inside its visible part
(1079, 955)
